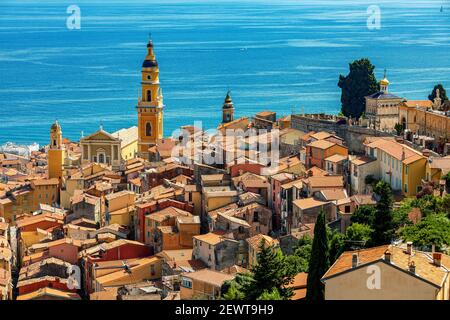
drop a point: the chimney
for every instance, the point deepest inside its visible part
(354, 260)
(426, 152)
(437, 256)
(412, 267)
(409, 247)
(387, 256)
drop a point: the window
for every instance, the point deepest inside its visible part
(148, 129)
(209, 257)
(101, 158)
(406, 169)
(255, 217)
(406, 188)
(149, 95)
(152, 270)
(149, 77)
(186, 283)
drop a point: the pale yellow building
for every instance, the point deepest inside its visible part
(382, 108)
(388, 273)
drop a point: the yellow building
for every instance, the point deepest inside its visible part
(110, 274)
(121, 207)
(204, 284)
(436, 168)
(414, 169)
(150, 105)
(427, 118)
(55, 152)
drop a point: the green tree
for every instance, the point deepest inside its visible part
(270, 295)
(336, 244)
(383, 221)
(319, 262)
(433, 229)
(447, 181)
(359, 234)
(299, 260)
(398, 128)
(442, 93)
(239, 287)
(271, 272)
(364, 214)
(359, 83)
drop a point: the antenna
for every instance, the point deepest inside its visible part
(385, 71)
(149, 36)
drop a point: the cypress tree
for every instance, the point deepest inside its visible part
(383, 225)
(319, 262)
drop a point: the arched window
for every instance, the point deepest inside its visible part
(148, 129)
(149, 95)
(54, 142)
(101, 158)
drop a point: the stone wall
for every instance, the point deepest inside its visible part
(353, 135)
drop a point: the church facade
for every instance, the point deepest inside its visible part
(382, 108)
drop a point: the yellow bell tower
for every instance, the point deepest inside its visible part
(55, 152)
(150, 105)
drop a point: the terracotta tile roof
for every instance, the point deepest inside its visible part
(425, 268)
(364, 199)
(358, 161)
(334, 194)
(393, 148)
(325, 181)
(316, 171)
(344, 262)
(299, 282)
(308, 203)
(128, 277)
(255, 241)
(413, 158)
(321, 144)
(439, 163)
(54, 293)
(169, 212)
(211, 238)
(208, 276)
(335, 158)
(420, 103)
(321, 135)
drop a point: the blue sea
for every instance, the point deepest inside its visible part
(279, 55)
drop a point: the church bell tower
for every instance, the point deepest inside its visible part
(227, 109)
(55, 159)
(150, 104)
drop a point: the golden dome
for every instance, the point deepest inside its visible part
(384, 82)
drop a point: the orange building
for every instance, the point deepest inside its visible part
(318, 151)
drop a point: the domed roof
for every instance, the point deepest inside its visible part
(228, 103)
(149, 64)
(384, 81)
(55, 126)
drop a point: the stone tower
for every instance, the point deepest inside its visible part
(227, 109)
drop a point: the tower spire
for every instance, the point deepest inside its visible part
(384, 83)
(228, 109)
